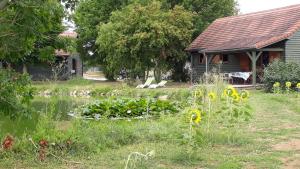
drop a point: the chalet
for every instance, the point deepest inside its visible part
(248, 43)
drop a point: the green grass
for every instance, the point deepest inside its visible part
(275, 120)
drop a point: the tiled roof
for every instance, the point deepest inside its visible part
(249, 31)
(69, 34)
(62, 53)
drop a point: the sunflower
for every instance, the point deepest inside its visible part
(194, 116)
(276, 84)
(298, 85)
(212, 96)
(229, 91)
(245, 95)
(288, 84)
(236, 97)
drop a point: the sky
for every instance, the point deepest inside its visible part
(248, 6)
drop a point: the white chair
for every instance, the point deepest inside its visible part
(147, 83)
(160, 84)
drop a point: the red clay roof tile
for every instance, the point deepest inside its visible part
(249, 31)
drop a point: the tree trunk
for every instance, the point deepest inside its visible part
(8, 66)
(157, 74)
(25, 71)
(147, 74)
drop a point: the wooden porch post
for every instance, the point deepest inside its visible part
(254, 57)
(208, 59)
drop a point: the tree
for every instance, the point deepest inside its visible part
(88, 15)
(29, 30)
(91, 13)
(140, 37)
(209, 10)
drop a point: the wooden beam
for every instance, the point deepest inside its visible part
(210, 58)
(272, 49)
(254, 57)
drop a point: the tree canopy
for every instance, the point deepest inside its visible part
(30, 28)
(139, 37)
(209, 10)
(90, 14)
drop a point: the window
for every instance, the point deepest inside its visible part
(219, 59)
(225, 58)
(74, 65)
(201, 59)
(216, 59)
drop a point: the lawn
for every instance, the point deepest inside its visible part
(269, 140)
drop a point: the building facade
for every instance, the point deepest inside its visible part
(247, 43)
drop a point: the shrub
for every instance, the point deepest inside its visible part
(281, 72)
(15, 93)
(127, 108)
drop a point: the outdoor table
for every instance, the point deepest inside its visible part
(242, 75)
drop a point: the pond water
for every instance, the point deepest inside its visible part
(57, 106)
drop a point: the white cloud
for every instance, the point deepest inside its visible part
(248, 6)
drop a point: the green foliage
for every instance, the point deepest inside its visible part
(29, 30)
(127, 108)
(142, 46)
(138, 47)
(15, 93)
(88, 15)
(111, 141)
(220, 107)
(281, 72)
(209, 10)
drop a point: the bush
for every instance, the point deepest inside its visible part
(127, 108)
(281, 72)
(15, 93)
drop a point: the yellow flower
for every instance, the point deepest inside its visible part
(212, 96)
(236, 97)
(229, 91)
(288, 84)
(276, 84)
(245, 94)
(298, 85)
(195, 116)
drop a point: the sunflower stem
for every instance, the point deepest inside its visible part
(208, 120)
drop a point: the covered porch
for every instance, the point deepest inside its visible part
(249, 65)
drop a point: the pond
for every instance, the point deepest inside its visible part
(61, 103)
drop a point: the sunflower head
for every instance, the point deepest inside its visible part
(229, 91)
(288, 84)
(194, 116)
(276, 84)
(212, 96)
(245, 94)
(236, 97)
(298, 85)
